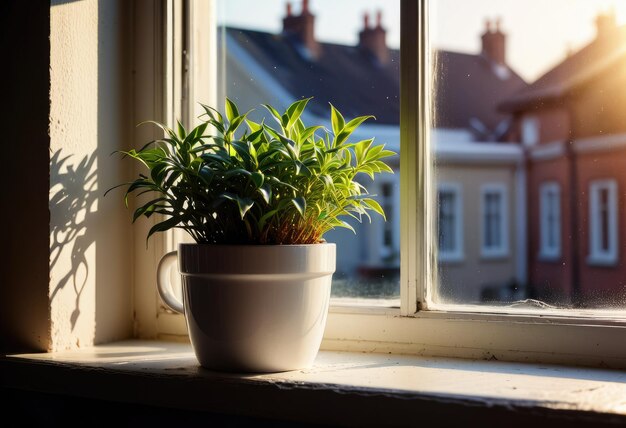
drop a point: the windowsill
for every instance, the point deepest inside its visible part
(341, 387)
(451, 258)
(548, 258)
(602, 260)
(495, 255)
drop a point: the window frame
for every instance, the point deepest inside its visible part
(457, 254)
(597, 255)
(503, 250)
(421, 326)
(547, 253)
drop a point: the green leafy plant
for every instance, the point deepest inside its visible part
(234, 181)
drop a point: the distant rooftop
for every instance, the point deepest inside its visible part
(365, 79)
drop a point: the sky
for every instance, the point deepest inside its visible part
(539, 32)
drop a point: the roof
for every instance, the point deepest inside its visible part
(572, 72)
(470, 86)
(343, 75)
(469, 90)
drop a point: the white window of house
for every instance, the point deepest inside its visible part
(450, 222)
(530, 130)
(550, 221)
(603, 222)
(494, 221)
(388, 247)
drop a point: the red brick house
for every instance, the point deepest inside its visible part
(572, 124)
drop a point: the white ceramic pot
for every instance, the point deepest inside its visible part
(252, 308)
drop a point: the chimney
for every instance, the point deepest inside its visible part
(301, 28)
(372, 39)
(605, 24)
(494, 42)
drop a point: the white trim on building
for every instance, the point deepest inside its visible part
(600, 143)
(547, 151)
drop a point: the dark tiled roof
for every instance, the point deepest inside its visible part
(342, 75)
(470, 87)
(575, 70)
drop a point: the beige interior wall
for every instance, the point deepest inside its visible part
(90, 236)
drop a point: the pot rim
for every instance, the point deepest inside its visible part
(195, 244)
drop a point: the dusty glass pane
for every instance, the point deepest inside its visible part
(344, 53)
(529, 148)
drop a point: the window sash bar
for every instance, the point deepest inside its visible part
(415, 221)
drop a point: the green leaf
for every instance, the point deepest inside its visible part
(231, 110)
(254, 127)
(215, 115)
(244, 204)
(300, 204)
(336, 120)
(294, 111)
(349, 128)
(182, 133)
(163, 226)
(257, 178)
(308, 132)
(263, 220)
(277, 116)
(266, 192)
(375, 206)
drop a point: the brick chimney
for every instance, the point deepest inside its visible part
(302, 28)
(372, 39)
(605, 24)
(494, 42)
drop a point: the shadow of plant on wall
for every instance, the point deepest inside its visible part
(73, 203)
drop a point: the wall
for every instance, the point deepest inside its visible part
(598, 107)
(549, 279)
(24, 274)
(602, 284)
(90, 237)
(553, 123)
(464, 281)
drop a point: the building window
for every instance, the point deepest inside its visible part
(550, 221)
(530, 131)
(494, 221)
(450, 222)
(603, 222)
(388, 248)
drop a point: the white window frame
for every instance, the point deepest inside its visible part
(547, 190)
(421, 326)
(597, 255)
(457, 254)
(502, 250)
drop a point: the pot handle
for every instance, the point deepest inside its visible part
(163, 282)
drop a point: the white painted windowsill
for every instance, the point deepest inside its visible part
(341, 387)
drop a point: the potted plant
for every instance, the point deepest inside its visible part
(257, 199)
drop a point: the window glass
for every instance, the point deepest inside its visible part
(450, 222)
(550, 221)
(603, 222)
(527, 108)
(494, 221)
(344, 53)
